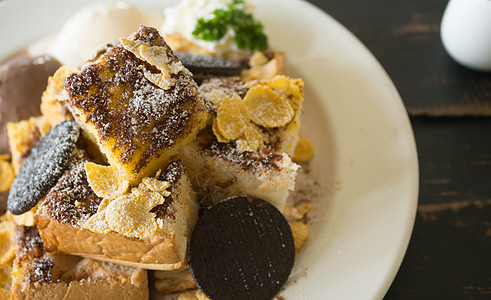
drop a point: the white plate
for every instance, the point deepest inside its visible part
(365, 160)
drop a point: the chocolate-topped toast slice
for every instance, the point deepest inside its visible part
(131, 230)
(139, 103)
(218, 171)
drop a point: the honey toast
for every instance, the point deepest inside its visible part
(38, 275)
(74, 220)
(139, 103)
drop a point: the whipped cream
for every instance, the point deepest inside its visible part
(183, 17)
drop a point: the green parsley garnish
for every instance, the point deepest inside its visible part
(249, 33)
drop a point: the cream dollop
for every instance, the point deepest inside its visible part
(183, 17)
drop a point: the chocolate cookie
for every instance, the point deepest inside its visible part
(241, 248)
(201, 65)
(43, 167)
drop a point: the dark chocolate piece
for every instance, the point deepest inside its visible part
(209, 65)
(43, 167)
(241, 248)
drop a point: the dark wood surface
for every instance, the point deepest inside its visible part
(449, 255)
(404, 35)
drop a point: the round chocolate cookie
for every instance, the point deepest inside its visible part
(209, 65)
(241, 248)
(43, 167)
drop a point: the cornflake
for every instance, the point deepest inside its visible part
(291, 89)
(7, 252)
(231, 117)
(300, 234)
(97, 222)
(6, 175)
(218, 134)
(254, 136)
(297, 212)
(105, 181)
(157, 58)
(304, 150)
(130, 214)
(267, 108)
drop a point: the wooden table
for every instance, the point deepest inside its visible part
(449, 255)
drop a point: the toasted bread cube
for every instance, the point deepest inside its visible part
(219, 170)
(68, 207)
(140, 104)
(279, 139)
(38, 275)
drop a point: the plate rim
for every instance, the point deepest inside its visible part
(390, 275)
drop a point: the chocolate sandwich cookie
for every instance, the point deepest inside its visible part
(241, 248)
(205, 65)
(43, 167)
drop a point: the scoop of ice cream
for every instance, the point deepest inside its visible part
(22, 82)
(183, 17)
(98, 24)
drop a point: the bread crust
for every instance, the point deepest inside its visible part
(38, 275)
(157, 254)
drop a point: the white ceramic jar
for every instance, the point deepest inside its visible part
(466, 33)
